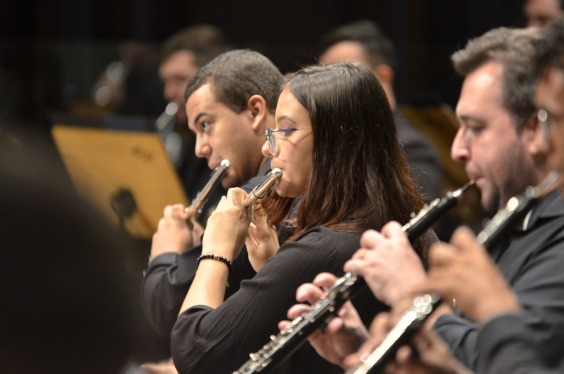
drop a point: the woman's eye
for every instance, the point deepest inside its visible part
(205, 126)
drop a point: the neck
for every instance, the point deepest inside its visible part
(541, 171)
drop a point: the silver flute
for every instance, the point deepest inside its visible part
(290, 339)
(198, 202)
(261, 190)
(423, 306)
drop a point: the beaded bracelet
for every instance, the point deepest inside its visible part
(217, 258)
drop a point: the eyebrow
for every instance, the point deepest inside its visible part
(466, 118)
(285, 117)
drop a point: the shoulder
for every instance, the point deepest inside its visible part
(536, 253)
(551, 207)
(323, 242)
(326, 236)
(314, 251)
(547, 220)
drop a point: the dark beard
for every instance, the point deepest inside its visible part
(493, 205)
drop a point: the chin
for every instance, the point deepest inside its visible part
(281, 191)
(491, 205)
(284, 191)
(230, 181)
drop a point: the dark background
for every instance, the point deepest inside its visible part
(51, 52)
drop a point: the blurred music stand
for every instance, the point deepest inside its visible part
(127, 174)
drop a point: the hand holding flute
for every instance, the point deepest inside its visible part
(201, 198)
(179, 229)
(229, 224)
(262, 237)
(452, 273)
(391, 269)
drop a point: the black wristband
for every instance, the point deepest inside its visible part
(217, 258)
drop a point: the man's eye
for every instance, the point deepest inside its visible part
(474, 128)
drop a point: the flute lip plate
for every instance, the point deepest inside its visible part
(277, 172)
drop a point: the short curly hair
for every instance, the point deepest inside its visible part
(237, 75)
(513, 49)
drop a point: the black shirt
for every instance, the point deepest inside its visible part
(206, 340)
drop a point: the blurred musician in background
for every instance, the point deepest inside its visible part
(540, 13)
(364, 42)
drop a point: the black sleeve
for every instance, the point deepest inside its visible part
(168, 279)
(206, 340)
(170, 275)
(505, 346)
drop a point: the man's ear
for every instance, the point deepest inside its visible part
(535, 137)
(384, 73)
(258, 111)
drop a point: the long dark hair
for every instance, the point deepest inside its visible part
(360, 178)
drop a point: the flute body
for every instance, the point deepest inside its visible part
(198, 202)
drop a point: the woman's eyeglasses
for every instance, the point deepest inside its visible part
(271, 137)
